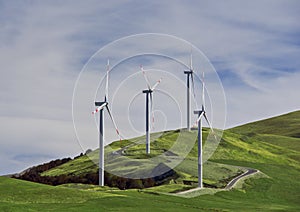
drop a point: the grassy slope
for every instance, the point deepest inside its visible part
(284, 125)
(214, 174)
(260, 145)
(275, 155)
(19, 195)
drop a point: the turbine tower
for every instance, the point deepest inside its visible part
(100, 107)
(201, 113)
(189, 74)
(148, 93)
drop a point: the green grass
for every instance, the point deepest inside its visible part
(169, 188)
(78, 166)
(158, 145)
(17, 195)
(214, 174)
(244, 148)
(277, 188)
(284, 125)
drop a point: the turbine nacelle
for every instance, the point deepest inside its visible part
(188, 71)
(147, 91)
(100, 106)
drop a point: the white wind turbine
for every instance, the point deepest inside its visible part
(100, 107)
(201, 113)
(189, 74)
(148, 93)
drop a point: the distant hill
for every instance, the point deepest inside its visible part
(284, 125)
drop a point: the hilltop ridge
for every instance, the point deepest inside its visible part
(284, 125)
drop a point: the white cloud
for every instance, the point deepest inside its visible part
(29, 140)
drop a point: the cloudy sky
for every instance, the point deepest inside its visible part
(254, 47)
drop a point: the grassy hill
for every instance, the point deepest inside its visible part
(136, 162)
(284, 125)
(275, 152)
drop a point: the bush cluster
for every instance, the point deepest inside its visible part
(34, 175)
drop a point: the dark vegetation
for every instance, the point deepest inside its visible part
(34, 175)
(41, 168)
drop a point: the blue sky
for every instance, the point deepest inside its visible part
(254, 47)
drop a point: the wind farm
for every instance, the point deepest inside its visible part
(150, 106)
(149, 109)
(153, 166)
(127, 158)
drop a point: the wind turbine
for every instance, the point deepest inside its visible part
(201, 113)
(100, 107)
(148, 93)
(189, 74)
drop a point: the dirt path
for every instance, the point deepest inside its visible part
(230, 185)
(236, 179)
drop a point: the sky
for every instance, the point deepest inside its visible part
(44, 45)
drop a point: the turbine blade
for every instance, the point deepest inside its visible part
(200, 116)
(191, 60)
(145, 76)
(156, 84)
(203, 94)
(99, 108)
(212, 130)
(193, 85)
(106, 86)
(113, 121)
(207, 121)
